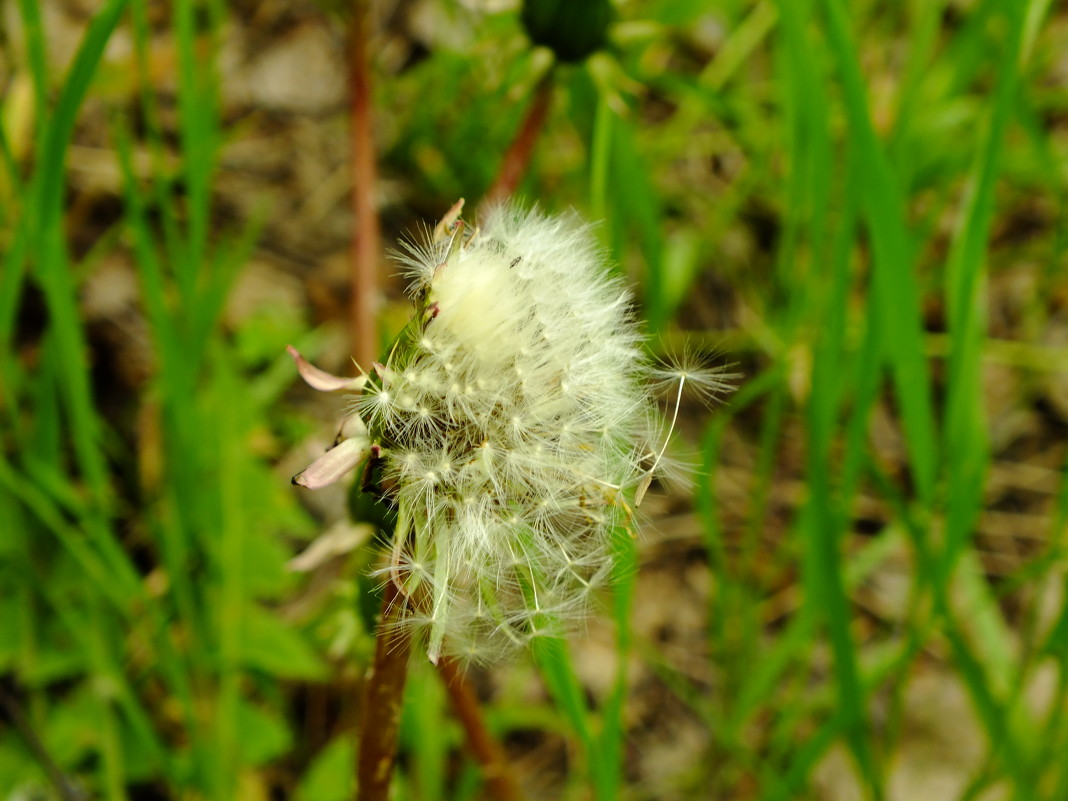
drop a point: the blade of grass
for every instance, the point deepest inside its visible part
(232, 412)
(635, 211)
(965, 425)
(42, 507)
(612, 734)
(601, 747)
(895, 288)
(11, 183)
(196, 386)
(822, 520)
(926, 19)
(197, 121)
(110, 748)
(600, 158)
(51, 264)
(553, 658)
(425, 734)
(33, 30)
(176, 385)
(724, 599)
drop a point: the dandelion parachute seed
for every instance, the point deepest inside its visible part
(509, 419)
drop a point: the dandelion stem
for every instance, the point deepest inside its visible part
(490, 755)
(517, 157)
(383, 700)
(366, 234)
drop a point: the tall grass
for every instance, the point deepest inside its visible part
(174, 647)
(844, 176)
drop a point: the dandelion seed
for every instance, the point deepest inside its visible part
(510, 420)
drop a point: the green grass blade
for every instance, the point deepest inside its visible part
(600, 159)
(636, 212)
(965, 425)
(612, 734)
(822, 520)
(30, 10)
(553, 658)
(896, 292)
(198, 122)
(425, 733)
(52, 268)
(51, 159)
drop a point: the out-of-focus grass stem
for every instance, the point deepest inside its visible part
(366, 238)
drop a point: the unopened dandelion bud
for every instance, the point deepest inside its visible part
(571, 30)
(510, 420)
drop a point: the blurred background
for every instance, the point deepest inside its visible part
(860, 593)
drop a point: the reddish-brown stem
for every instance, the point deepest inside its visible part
(484, 748)
(366, 234)
(383, 699)
(517, 157)
(383, 696)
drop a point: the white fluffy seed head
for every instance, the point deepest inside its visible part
(512, 416)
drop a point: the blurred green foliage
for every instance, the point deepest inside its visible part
(829, 192)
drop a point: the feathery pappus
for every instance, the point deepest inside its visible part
(507, 425)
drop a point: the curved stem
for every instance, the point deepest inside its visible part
(485, 749)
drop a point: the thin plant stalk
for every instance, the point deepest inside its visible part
(366, 240)
(517, 158)
(383, 700)
(489, 753)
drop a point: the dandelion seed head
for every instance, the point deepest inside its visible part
(511, 418)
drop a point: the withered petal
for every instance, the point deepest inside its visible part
(320, 379)
(334, 464)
